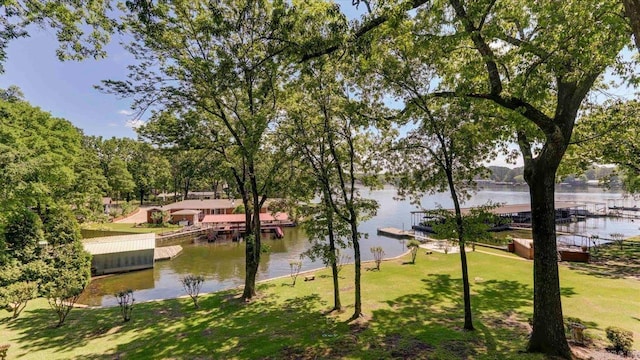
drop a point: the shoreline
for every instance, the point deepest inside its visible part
(84, 306)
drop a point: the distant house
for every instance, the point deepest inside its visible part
(204, 207)
(106, 204)
(185, 217)
(121, 253)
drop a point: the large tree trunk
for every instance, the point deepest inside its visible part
(253, 243)
(357, 311)
(251, 265)
(632, 10)
(548, 335)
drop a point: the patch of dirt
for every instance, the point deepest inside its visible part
(207, 332)
(401, 347)
(460, 349)
(509, 320)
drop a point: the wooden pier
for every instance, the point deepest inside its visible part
(396, 233)
(166, 252)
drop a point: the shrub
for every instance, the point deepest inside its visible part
(15, 296)
(413, 245)
(622, 340)
(61, 304)
(125, 301)
(295, 266)
(192, 284)
(378, 254)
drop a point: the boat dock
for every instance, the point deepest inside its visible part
(396, 233)
(166, 252)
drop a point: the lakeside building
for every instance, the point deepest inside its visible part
(121, 253)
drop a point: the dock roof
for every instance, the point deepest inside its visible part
(120, 243)
(240, 218)
(520, 208)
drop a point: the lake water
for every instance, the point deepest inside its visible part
(222, 265)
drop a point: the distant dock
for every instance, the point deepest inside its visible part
(396, 233)
(166, 252)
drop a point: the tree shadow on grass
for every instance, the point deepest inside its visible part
(609, 261)
(432, 321)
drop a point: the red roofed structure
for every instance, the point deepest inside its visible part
(265, 218)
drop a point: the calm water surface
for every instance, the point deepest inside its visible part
(222, 265)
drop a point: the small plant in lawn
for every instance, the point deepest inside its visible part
(618, 238)
(295, 266)
(413, 245)
(15, 296)
(192, 285)
(622, 340)
(594, 243)
(125, 301)
(62, 306)
(378, 254)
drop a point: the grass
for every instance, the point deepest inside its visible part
(411, 311)
(131, 228)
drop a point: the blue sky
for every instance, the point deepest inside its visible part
(65, 89)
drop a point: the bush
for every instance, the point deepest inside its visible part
(378, 254)
(125, 301)
(16, 296)
(413, 245)
(192, 284)
(622, 340)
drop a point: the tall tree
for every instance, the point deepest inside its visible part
(445, 153)
(221, 64)
(329, 130)
(534, 61)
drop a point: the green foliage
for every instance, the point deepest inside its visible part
(125, 302)
(159, 217)
(58, 269)
(42, 160)
(15, 296)
(192, 285)
(60, 227)
(608, 134)
(70, 20)
(23, 235)
(239, 209)
(622, 340)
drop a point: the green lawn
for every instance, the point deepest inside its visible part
(130, 228)
(411, 311)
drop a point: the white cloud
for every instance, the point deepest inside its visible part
(126, 112)
(112, 124)
(134, 123)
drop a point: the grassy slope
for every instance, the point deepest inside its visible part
(411, 311)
